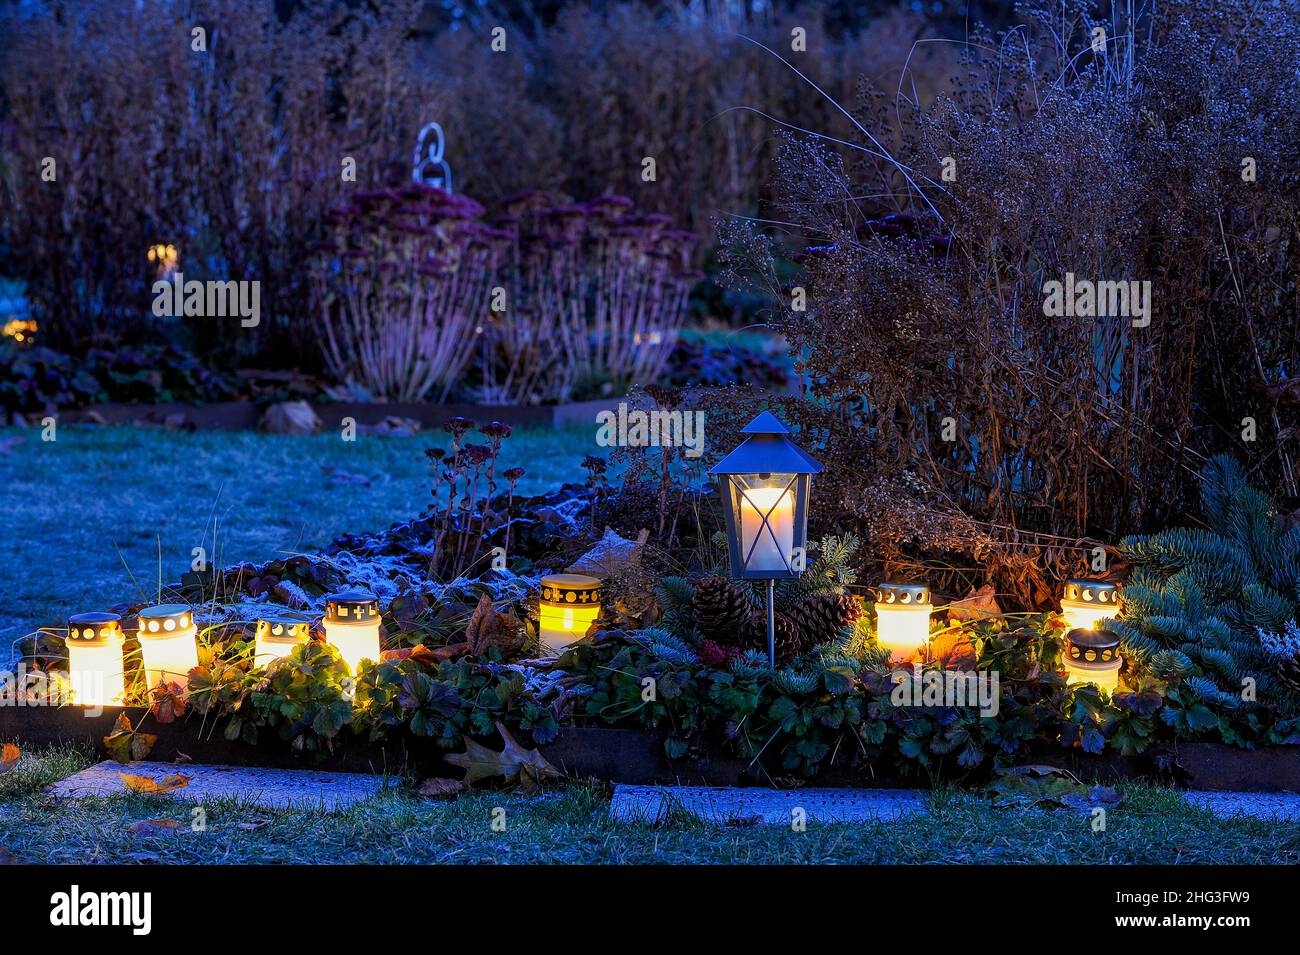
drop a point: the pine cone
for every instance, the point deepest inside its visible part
(1288, 672)
(821, 618)
(721, 610)
(789, 641)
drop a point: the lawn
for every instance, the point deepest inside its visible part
(101, 515)
(571, 825)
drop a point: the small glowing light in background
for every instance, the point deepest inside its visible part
(352, 626)
(569, 605)
(168, 644)
(20, 329)
(1086, 602)
(95, 672)
(903, 618)
(165, 257)
(1092, 656)
(276, 636)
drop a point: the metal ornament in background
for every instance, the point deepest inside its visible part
(765, 484)
(429, 165)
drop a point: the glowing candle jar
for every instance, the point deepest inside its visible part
(276, 636)
(1092, 656)
(352, 626)
(168, 644)
(903, 618)
(569, 606)
(1085, 602)
(95, 673)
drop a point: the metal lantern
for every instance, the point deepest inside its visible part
(569, 605)
(352, 626)
(95, 659)
(1085, 602)
(765, 485)
(168, 645)
(276, 636)
(1092, 656)
(902, 618)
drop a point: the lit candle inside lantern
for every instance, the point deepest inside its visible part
(770, 547)
(1092, 656)
(902, 618)
(569, 605)
(168, 644)
(352, 626)
(276, 636)
(95, 674)
(1086, 602)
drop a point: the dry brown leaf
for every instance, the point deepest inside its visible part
(163, 784)
(951, 650)
(976, 605)
(9, 754)
(487, 628)
(438, 788)
(528, 768)
(8, 858)
(154, 827)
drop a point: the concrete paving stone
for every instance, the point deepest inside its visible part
(269, 788)
(1225, 805)
(767, 806)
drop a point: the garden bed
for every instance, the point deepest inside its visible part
(632, 756)
(246, 415)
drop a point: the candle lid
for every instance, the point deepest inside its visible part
(351, 606)
(1092, 591)
(571, 589)
(164, 619)
(282, 628)
(93, 628)
(904, 594)
(1096, 648)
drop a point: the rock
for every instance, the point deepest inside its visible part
(291, 417)
(392, 427)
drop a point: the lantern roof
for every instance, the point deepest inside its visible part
(767, 450)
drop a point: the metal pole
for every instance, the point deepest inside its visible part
(771, 623)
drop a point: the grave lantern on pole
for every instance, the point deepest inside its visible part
(765, 485)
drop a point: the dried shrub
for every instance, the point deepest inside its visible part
(233, 154)
(596, 297)
(401, 286)
(926, 333)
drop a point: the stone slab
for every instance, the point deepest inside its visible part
(268, 788)
(1226, 805)
(726, 806)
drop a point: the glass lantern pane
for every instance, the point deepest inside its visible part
(765, 507)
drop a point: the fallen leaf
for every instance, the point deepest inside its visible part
(419, 654)
(437, 788)
(163, 784)
(8, 858)
(976, 605)
(125, 745)
(488, 628)
(1049, 786)
(182, 758)
(514, 764)
(168, 702)
(147, 827)
(9, 754)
